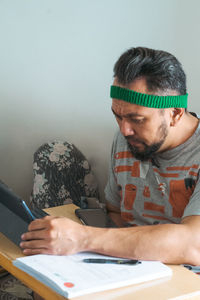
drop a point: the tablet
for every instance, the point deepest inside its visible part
(11, 225)
(96, 217)
(14, 217)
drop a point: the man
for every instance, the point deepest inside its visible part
(153, 186)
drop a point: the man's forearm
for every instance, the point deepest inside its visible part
(169, 243)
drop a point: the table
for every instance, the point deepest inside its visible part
(184, 284)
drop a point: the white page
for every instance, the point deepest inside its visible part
(59, 271)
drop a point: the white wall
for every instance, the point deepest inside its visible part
(56, 60)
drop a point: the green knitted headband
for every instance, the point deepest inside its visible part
(155, 101)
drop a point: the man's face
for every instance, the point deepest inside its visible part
(144, 128)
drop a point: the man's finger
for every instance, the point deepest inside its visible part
(37, 251)
(35, 235)
(30, 244)
(39, 223)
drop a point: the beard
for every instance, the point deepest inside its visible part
(148, 150)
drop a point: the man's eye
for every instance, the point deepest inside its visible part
(137, 121)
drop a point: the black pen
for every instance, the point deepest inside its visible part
(111, 261)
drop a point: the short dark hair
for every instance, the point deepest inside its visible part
(161, 69)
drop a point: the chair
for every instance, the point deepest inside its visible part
(62, 175)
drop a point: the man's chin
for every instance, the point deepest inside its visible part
(142, 154)
(138, 154)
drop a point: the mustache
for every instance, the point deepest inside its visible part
(133, 139)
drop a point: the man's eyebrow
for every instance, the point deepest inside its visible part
(129, 115)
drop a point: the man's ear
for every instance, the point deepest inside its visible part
(176, 115)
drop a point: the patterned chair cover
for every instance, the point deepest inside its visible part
(62, 175)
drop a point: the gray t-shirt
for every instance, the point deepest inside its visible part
(163, 190)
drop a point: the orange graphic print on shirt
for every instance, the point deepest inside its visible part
(129, 197)
(180, 193)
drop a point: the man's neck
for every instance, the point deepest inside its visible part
(181, 132)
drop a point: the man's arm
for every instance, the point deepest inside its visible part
(169, 243)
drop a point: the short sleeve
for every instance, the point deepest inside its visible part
(111, 190)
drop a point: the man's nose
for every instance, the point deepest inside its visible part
(126, 128)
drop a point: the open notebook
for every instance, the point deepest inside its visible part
(71, 277)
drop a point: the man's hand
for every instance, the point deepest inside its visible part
(54, 235)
